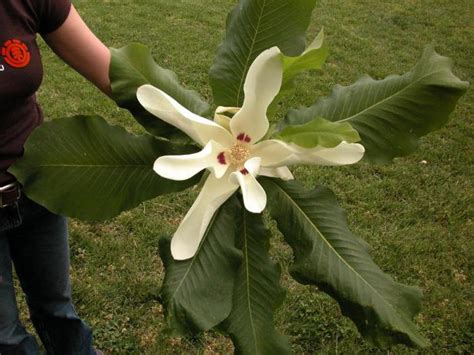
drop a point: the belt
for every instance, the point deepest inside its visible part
(9, 194)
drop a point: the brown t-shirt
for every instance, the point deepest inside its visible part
(21, 71)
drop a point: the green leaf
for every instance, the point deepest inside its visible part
(319, 132)
(83, 167)
(197, 293)
(328, 255)
(133, 66)
(312, 58)
(391, 114)
(252, 27)
(257, 293)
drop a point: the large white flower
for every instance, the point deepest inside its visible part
(233, 150)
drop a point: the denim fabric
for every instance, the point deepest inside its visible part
(35, 241)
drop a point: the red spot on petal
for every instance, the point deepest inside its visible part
(244, 138)
(244, 171)
(221, 158)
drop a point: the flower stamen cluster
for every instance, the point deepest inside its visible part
(239, 154)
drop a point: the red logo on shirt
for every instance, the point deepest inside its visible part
(16, 53)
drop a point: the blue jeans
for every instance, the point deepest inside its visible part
(35, 241)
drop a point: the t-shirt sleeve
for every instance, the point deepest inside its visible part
(52, 14)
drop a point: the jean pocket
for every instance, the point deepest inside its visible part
(10, 217)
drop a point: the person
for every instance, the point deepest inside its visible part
(33, 239)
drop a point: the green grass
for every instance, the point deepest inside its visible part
(416, 213)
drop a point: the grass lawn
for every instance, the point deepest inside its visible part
(416, 213)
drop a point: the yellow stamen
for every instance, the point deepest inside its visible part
(239, 154)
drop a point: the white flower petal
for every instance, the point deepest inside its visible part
(224, 109)
(169, 110)
(253, 165)
(262, 84)
(182, 167)
(344, 154)
(282, 173)
(255, 198)
(186, 240)
(224, 120)
(273, 152)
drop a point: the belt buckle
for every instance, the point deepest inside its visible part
(8, 188)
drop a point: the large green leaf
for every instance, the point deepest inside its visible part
(319, 132)
(83, 167)
(328, 255)
(252, 27)
(133, 66)
(391, 114)
(197, 293)
(257, 293)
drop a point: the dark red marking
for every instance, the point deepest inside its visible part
(16, 53)
(221, 158)
(244, 171)
(244, 138)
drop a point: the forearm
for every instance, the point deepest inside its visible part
(75, 43)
